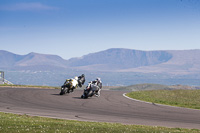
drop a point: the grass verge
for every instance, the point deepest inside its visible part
(29, 86)
(12, 123)
(180, 98)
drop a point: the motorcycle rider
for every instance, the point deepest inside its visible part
(97, 84)
(74, 83)
(81, 80)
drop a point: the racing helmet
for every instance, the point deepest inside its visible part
(98, 79)
(76, 78)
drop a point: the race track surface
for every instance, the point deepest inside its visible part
(111, 106)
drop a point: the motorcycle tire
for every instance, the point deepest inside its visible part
(63, 91)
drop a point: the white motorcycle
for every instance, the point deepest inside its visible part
(91, 90)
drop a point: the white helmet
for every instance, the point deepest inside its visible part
(76, 78)
(98, 79)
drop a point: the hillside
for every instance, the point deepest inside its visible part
(8, 59)
(182, 62)
(30, 61)
(126, 60)
(117, 59)
(114, 66)
(111, 60)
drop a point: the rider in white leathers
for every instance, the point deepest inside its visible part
(96, 85)
(74, 83)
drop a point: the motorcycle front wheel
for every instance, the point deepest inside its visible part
(64, 90)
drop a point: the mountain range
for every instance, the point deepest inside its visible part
(111, 60)
(171, 62)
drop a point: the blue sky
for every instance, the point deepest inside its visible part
(73, 28)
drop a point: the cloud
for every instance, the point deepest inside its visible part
(27, 7)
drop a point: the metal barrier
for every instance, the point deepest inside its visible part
(7, 82)
(3, 80)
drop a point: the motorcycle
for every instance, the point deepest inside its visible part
(89, 91)
(66, 88)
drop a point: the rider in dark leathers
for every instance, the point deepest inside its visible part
(81, 80)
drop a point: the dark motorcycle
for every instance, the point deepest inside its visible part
(66, 88)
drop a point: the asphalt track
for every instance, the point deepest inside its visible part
(111, 106)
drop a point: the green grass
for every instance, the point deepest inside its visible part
(29, 86)
(180, 98)
(147, 86)
(11, 123)
(142, 87)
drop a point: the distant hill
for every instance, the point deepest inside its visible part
(30, 61)
(8, 59)
(115, 66)
(127, 60)
(117, 59)
(181, 62)
(111, 60)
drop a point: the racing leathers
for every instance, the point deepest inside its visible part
(96, 85)
(71, 83)
(81, 80)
